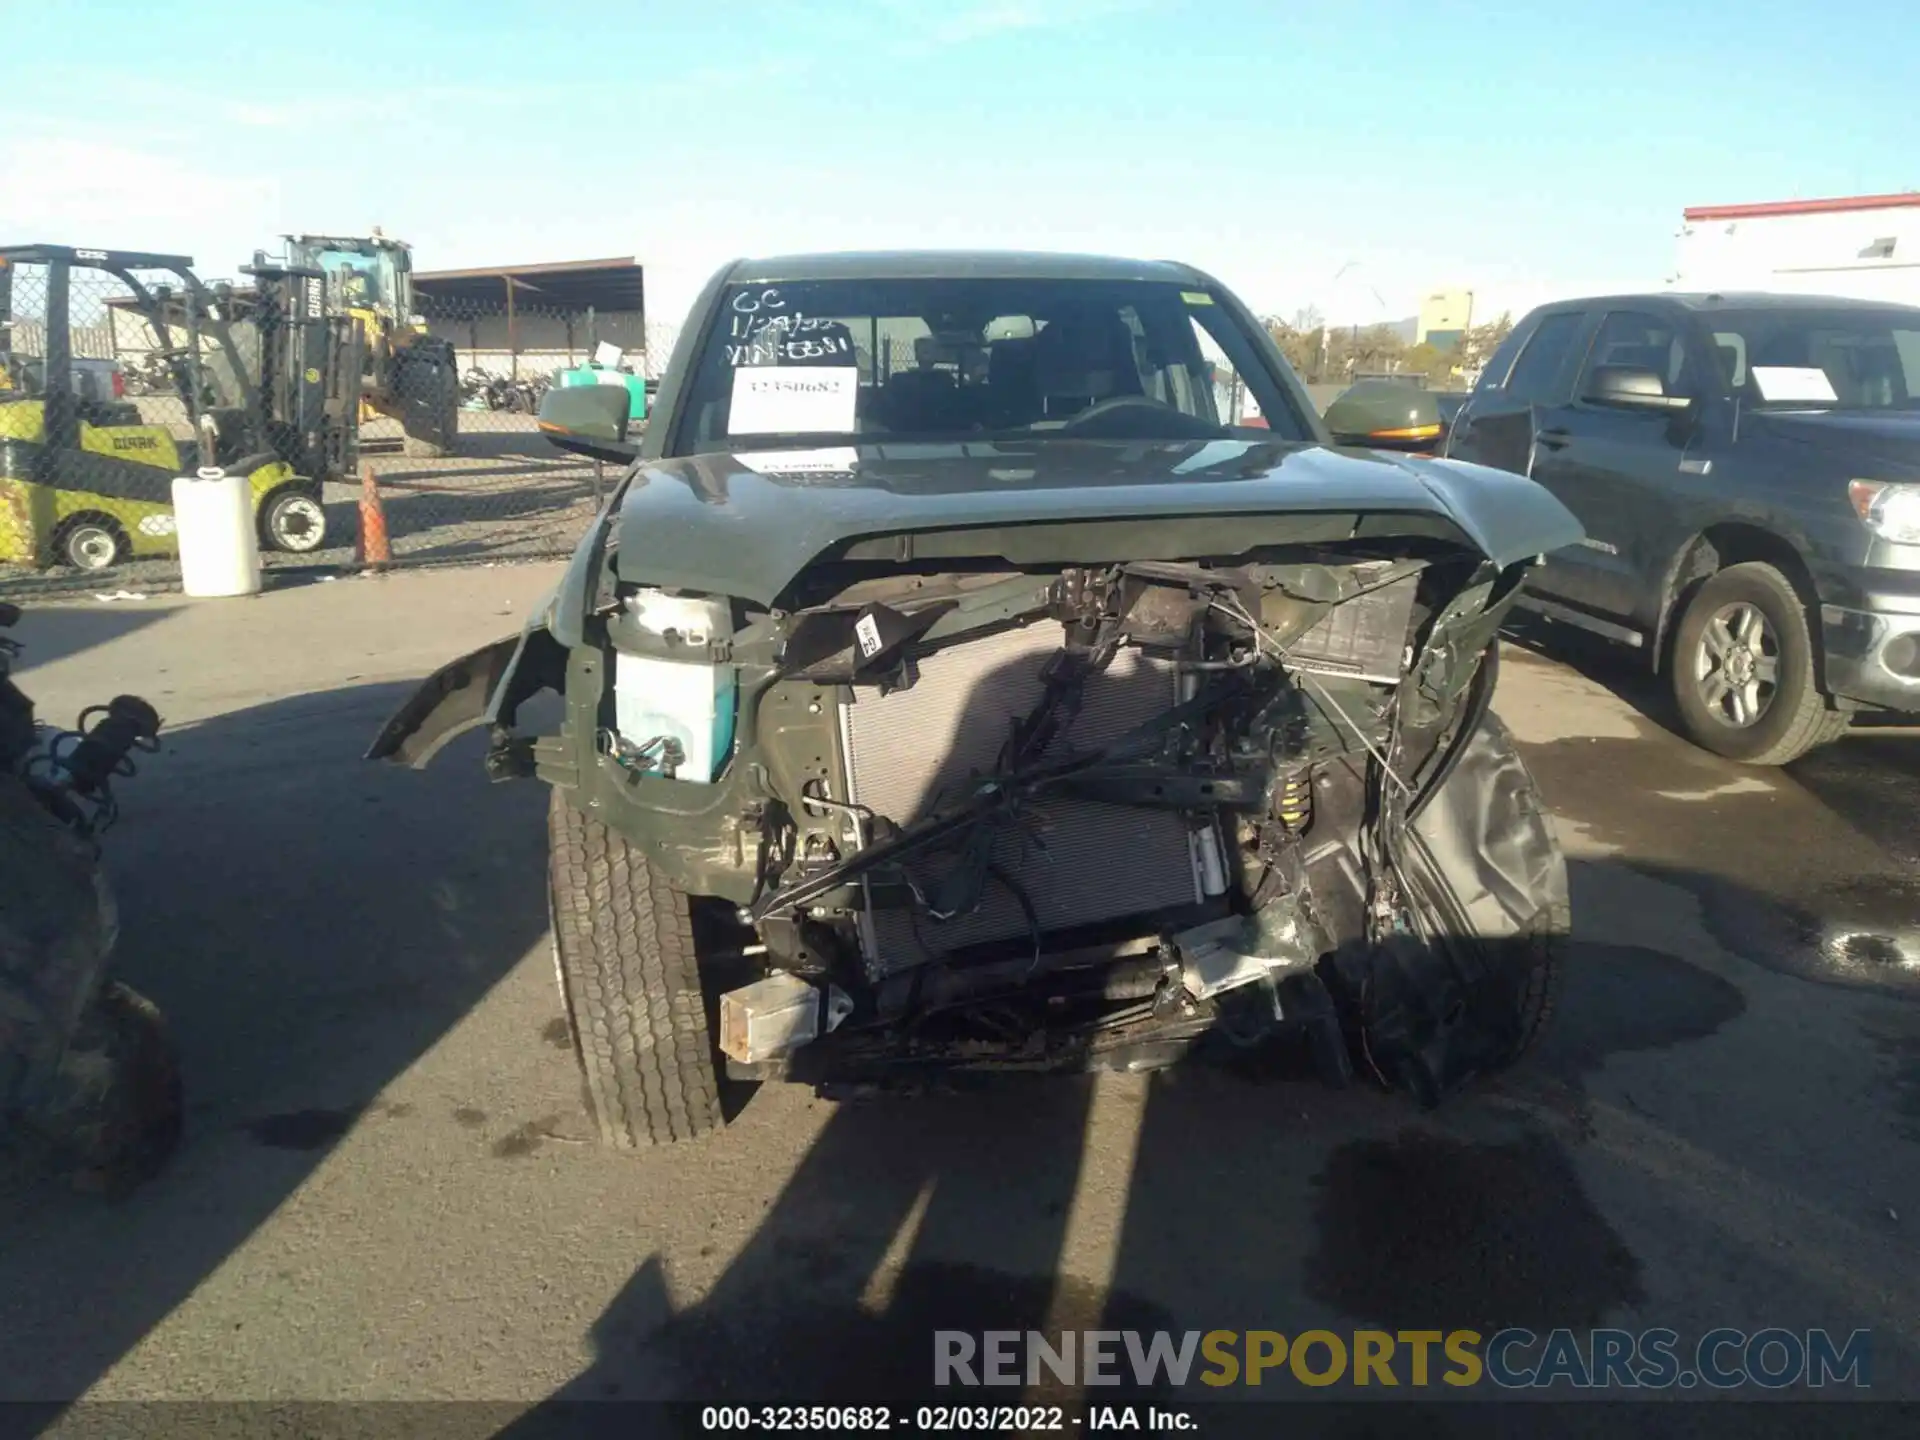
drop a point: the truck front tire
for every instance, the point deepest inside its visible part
(630, 978)
(1744, 669)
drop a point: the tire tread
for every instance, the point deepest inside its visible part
(631, 979)
(1539, 991)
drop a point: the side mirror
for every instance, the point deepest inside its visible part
(1627, 387)
(1387, 415)
(589, 420)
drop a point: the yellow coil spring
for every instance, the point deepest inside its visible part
(1294, 803)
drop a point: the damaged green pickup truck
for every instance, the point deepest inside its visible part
(958, 682)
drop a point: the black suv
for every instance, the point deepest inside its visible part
(1747, 469)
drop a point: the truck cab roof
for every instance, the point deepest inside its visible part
(1708, 301)
(959, 264)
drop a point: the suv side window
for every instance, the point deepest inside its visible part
(1645, 342)
(1544, 358)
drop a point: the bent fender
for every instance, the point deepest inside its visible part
(484, 687)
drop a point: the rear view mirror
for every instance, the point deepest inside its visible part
(1627, 387)
(588, 420)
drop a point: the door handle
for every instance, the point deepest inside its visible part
(1556, 438)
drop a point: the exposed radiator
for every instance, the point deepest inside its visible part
(908, 751)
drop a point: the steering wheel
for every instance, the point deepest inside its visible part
(1164, 421)
(1112, 404)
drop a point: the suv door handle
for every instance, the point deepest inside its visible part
(1556, 438)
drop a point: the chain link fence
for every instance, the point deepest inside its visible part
(117, 376)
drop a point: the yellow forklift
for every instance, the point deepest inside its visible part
(408, 374)
(270, 386)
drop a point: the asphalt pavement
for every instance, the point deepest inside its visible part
(388, 1189)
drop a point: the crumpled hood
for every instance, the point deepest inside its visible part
(746, 524)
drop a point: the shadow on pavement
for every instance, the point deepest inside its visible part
(483, 435)
(1873, 778)
(1622, 672)
(1627, 676)
(1832, 840)
(310, 929)
(1254, 1199)
(411, 512)
(54, 632)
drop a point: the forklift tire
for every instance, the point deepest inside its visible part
(90, 542)
(293, 520)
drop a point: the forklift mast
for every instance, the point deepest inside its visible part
(407, 373)
(310, 366)
(301, 402)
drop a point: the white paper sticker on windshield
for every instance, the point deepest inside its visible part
(793, 400)
(834, 460)
(1806, 383)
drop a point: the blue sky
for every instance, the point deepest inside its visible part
(1517, 149)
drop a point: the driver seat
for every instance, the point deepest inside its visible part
(1080, 359)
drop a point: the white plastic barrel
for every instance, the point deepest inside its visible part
(219, 547)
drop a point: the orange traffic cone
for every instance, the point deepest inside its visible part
(372, 549)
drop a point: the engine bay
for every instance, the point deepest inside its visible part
(1092, 817)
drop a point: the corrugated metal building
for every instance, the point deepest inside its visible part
(512, 319)
(531, 319)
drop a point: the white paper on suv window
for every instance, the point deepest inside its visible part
(1793, 382)
(793, 399)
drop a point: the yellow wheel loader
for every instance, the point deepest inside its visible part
(409, 376)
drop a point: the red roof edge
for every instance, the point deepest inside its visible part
(1801, 207)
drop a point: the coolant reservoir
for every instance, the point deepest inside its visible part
(214, 525)
(691, 699)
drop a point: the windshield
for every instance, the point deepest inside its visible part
(842, 361)
(1857, 358)
(355, 280)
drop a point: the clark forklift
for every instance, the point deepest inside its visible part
(408, 375)
(270, 385)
